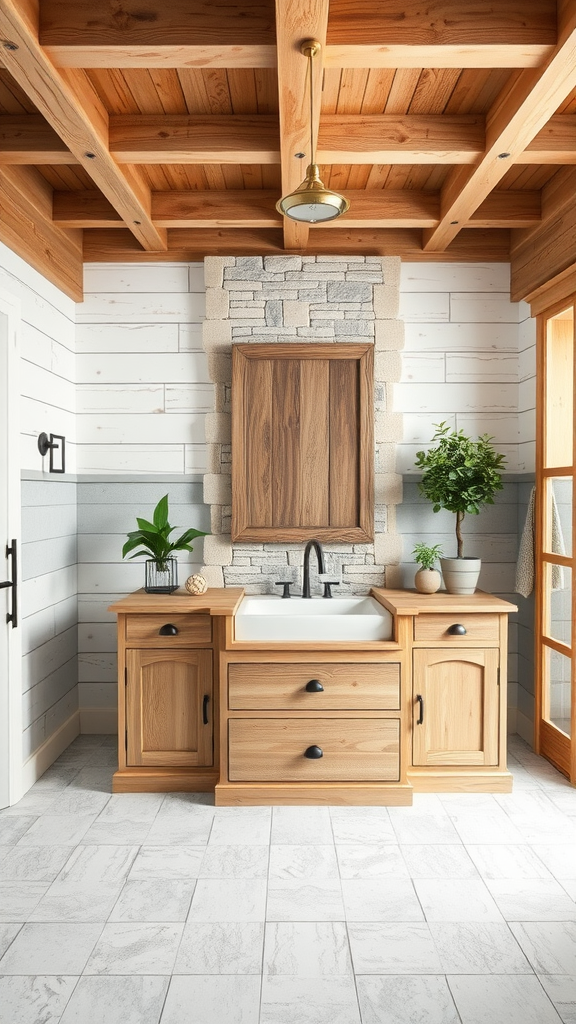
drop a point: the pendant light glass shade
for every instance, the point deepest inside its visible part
(312, 202)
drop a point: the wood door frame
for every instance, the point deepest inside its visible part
(11, 671)
(562, 749)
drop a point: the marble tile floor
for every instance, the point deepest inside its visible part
(153, 909)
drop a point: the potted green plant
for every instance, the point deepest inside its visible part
(461, 475)
(153, 540)
(427, 580)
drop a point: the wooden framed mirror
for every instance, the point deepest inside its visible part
(302, 442)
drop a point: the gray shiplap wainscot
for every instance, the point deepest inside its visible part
(107, 510)
(49, 610)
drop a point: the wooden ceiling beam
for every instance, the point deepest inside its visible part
(254, 139)
(547, 250)
(26, 227)
(200, 33)
(159, 33)
(472, 55)
(71, 107)
(29, 139)
(342, 138)
(199, 138)
(294, 24)
(246, 55)
(254, 208)
(264, 56)
(554, 144)
(406, 139)
(446, 22)
(195, 244)
(447, 34)
(515, 119)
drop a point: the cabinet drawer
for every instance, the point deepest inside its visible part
(155, 631)
(282, 687)
(479, 628)
(272, 750)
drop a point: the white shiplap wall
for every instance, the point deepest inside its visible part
(469, 359)
(143, 384)
(143, 390)
(47, 348)
(48, 595)
(143, 393)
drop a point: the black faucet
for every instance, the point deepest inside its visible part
(320, 556)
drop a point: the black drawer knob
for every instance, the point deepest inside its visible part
(168, 630)
(314, 686)
(314, 753)
(457, 629)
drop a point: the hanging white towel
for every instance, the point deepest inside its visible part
(525, 566)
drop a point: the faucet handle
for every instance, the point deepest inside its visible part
(286, 585)
(328, 584)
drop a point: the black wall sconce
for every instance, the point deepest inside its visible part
(48, 444)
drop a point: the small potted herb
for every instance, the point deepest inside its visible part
(462, 476)
(153, 541)
(427, 580)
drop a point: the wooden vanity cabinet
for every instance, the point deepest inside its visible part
(168, 725)
(456, 706)
(459, 648)
(305, 723)
(169, 708)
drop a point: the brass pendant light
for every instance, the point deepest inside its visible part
(311, 202)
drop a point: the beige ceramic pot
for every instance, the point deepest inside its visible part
(427, 581)
(460, 574)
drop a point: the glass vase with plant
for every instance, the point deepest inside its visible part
(461, 475)
(427, 580)
(153, 541)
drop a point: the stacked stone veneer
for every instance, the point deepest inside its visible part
(299, 299)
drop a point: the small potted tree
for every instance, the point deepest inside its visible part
(427, 580)
(462, 476)
(153, 540)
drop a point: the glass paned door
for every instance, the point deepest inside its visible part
(555, 629)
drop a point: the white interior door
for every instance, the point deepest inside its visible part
(10, 645)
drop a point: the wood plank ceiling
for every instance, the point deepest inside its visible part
(167, 129)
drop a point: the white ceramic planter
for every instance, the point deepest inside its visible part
(460, 574)
(427, 581)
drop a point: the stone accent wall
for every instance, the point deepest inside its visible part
(303, 298)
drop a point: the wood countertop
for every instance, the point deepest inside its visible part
(216, 601)
(410, 602)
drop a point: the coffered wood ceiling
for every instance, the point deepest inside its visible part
(144, 130)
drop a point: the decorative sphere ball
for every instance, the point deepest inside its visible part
(196, 584)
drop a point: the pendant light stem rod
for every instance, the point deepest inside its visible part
(310, 63)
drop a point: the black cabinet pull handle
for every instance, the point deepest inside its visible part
(205, 709)
(168, 630)
(313, 753)
(457, 629)
(420, 701)
(314, 686)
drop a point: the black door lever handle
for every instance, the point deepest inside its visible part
(12, 615)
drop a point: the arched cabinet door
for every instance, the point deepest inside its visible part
(169, 708)
(456, 707)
